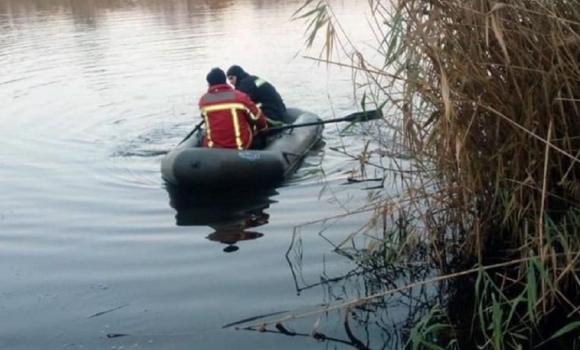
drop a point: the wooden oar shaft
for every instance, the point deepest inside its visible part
(354, 117)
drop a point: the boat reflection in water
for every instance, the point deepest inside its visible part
(230, 213)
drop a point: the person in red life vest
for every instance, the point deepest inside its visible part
(231, 117)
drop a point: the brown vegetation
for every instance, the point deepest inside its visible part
(490, 111)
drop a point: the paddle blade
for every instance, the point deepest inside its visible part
(364, 116)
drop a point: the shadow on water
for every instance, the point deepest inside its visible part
(373, 303)
(230, 213)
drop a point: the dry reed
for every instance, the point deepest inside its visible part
(490, 110)
(504, 81)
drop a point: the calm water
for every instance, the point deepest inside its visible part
(92, 94)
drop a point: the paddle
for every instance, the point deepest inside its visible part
(357, 117)
(197, 127)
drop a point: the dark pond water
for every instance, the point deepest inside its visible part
(92, 94)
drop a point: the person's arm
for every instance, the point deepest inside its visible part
(256, 117)
(248, 87)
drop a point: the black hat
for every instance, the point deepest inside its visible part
(236, 71)
(216, 76)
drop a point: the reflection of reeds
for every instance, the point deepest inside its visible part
(488, 108)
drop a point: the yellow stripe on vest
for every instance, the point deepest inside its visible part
(239, 143)
(233, 107)
(222, 107)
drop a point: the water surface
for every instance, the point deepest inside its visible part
(93, 93)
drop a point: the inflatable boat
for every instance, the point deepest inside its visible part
(190, 165)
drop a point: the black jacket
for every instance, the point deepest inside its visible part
(264, 93)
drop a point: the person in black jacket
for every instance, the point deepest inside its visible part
(261, 92)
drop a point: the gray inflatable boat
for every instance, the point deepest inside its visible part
(190, 165)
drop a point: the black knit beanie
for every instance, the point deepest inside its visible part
(216, 76)
(236, 71)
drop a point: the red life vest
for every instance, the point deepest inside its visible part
(230, 117)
